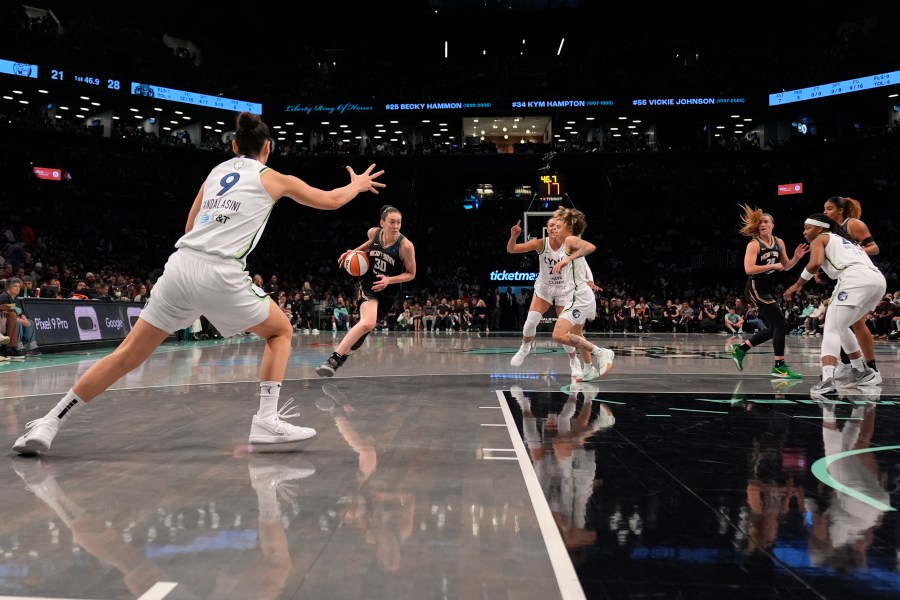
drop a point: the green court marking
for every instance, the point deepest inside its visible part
(657, 415)
(820, 470)
(771, 401)
(756, 400)
(714, 412)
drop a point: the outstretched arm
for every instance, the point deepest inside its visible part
(816, 258)
(799, 252)
(279, 185)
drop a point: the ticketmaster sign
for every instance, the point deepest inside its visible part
(513, 276)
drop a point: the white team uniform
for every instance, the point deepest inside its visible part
(548, 286)
(859, 282)
(581, 304)
(207, 274)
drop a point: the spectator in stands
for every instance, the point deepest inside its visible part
(734, 323)
(308, 309)
(340, 317)
(28, 290)
(496, 310)
(883, 317)
(284, 304)
(19, 327)
(481, 314)
(706, 318)
(686, 317)
(752, 322)
(442, 321)
(273, 287)
(671, 316)
(417, 315)
(642, 316)
(428, 315)
(815, 321)
(16, 255)
(80, 291)
(619, 319)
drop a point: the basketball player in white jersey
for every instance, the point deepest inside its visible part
(858, 288)
(846, 212)
(580, 304)
(547, 288)
(207, 276)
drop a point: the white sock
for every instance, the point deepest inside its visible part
(827, 372)
(65, 407)
(268, 399)
(858, 363)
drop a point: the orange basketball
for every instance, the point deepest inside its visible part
(356, 263)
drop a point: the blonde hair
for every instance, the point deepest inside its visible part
(751, 219)
(573, 218)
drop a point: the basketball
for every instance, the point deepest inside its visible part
(356, 263)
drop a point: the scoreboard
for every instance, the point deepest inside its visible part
(102, 81)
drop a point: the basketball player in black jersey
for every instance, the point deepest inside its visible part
(392, 262)
(763, 260)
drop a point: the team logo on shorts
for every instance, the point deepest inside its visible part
(842, 296)
(576, 313)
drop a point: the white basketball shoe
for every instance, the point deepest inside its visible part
(576, 368)
(277, 431)
(40, 437)
(519, 357)
(603, 360)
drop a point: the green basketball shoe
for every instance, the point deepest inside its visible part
(785, 372)
(737, 355)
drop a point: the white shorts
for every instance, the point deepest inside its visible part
(553, 294)
(582, 308)
(861, 287)
(195, 283)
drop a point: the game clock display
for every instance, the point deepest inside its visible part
(93, 80)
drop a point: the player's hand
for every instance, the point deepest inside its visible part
(381, 282)
(516, 229)
(343, 256)
(801, 251)
(365, 181)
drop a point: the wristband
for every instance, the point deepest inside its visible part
(806, 275)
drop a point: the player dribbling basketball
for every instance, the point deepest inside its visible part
(392, 262)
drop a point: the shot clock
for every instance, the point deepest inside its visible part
(551, 186)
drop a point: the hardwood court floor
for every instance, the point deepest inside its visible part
(441, 472)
